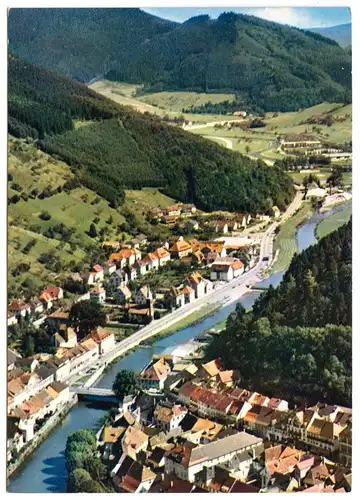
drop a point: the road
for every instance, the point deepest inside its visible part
(228, 142)
(224, 294)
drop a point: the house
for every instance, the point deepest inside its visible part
(209, 247)
(133, 441)
(46, 300)
(188, 460)
(126, 257)
(163, 256)
(133, 477)
(180, 248)
(278, 404)
(187, 210)
(169, 418)
(64, 337)
(210, 370)
(200, 285)
(111, 439)
(204, 431)
(276, 212)
(192, 225)
(19, 308)
(174, 210)
(243, 219)
(226, 269)
(153, 376)
(316, 192)
(226, 378)
(55, 292)
(58, 318)
(11, 319)
(169, 220)
(98, 295)
(142, 315)
(175, 297)
(345, 447)
(105, 340)
(143, 296)
(36, 306)
(12, 357)
(123, 294)
(89, 278)
(219, 226)
(232, 225)
(157, 458)
(155, 214)
(189, 294)
(99, 273)
(295, 141)
(118, 278)
(151, 263)
(109, 268)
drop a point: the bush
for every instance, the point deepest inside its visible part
(45, 215)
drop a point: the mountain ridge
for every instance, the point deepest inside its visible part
(340, 33)
(271, 67)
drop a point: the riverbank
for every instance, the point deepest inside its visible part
(191, 320)
(339, 216)
(285, 244)
(50, 425)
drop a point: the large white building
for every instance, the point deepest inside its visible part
(189, 460)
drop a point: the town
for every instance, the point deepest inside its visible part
(179, 251)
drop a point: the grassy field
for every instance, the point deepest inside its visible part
(172, 103)
(334, 221)
(285, 240)
(322, 174)
(31, 169)
(177, 101)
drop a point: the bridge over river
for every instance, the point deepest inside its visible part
(96, 394)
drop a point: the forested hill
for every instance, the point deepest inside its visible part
(269, 66)
(121, 148)
(81, 43)
(296, 342)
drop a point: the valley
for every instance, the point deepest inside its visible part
(179, 300)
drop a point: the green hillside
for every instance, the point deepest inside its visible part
(125, 149)
(269, 66)
(80, 43)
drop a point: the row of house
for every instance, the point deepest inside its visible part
(19, 308)
(33, 394)
(174, 211)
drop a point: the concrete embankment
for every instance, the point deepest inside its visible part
(42, 434)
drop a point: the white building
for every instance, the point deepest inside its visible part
(222, 451)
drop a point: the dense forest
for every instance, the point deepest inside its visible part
(41, 102)
(296, 341)
(125, 149)
(268, 65)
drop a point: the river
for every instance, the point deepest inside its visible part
(44, 471)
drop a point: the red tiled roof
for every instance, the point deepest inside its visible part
(161, 253)
(180, 246)
(53, 291)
